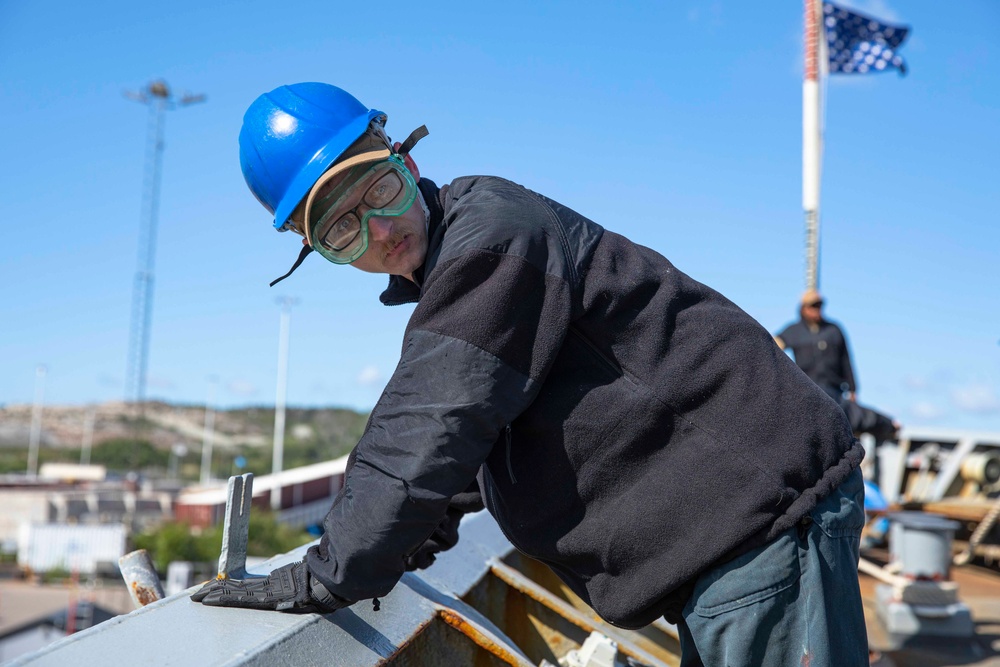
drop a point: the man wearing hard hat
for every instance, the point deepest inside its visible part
(628, 426)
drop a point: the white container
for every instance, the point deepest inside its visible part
(83, 548)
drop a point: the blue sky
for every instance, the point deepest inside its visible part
(676, 124)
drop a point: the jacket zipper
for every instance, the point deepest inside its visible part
(492, 505)
(510, 468)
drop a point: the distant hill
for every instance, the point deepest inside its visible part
(311, 434)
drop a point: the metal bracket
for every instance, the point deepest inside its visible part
(236, 529)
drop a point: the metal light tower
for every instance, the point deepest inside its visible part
(209, 434)
(278, 452)
(34, 439)
(88, 436)
(158, 97)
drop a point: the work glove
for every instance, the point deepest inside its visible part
(289, 588)
(445, 536)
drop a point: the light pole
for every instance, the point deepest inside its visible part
(206, 445)
(88, 436)
(36, 421)
(277, 458)
(158, 97)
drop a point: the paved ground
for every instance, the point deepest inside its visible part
(22, 602)
(979, 588)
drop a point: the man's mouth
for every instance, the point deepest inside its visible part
(397, 246)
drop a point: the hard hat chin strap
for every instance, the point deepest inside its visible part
(302, 255)
(412, 140)
(404, 149)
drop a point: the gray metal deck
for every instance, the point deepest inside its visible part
(479, 604)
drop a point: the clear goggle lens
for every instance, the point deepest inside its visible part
(339, 220)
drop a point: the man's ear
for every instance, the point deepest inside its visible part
(408, 161)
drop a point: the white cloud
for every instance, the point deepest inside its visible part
(369, 375)
(714, 14)
(981, 398)
(159, 382)
(241, 388)
(925, 410)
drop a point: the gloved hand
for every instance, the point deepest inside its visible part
(444, 537)
(289, 588)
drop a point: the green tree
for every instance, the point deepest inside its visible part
(173, 540)
(128, 454)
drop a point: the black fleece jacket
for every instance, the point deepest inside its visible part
(629, 426)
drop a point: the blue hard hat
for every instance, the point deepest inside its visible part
(291, 135)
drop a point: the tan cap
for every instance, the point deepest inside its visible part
(811, 296)
(372, 146)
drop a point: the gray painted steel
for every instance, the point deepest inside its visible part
(236, 527)
(177, 631)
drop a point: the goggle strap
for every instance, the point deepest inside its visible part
(302, 255)
(412, 140)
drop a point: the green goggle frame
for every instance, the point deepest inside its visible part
(332, 209)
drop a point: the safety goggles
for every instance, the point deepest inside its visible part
(335, 218)
(338, 221)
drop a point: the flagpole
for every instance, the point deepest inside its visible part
(812, 140)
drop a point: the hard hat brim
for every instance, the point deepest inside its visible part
(320, 162)
(339, 168)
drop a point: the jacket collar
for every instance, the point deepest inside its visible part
(401, 290)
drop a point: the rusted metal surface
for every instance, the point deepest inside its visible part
(143, 595)
(627, 645)
(141, 578)
(437, 643)
(483, 637)
(659, 638)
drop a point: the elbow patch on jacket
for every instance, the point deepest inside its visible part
(500, 303)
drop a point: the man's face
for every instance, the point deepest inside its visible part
(812, 312)
(397, 244)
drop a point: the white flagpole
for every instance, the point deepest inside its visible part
(812, 136)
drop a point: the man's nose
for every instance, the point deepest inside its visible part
(379, 229)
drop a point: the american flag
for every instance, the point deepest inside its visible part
(859, 44)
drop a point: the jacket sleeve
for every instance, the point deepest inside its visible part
(487, 329)
(445, 536)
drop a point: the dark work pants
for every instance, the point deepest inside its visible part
(794, 601)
